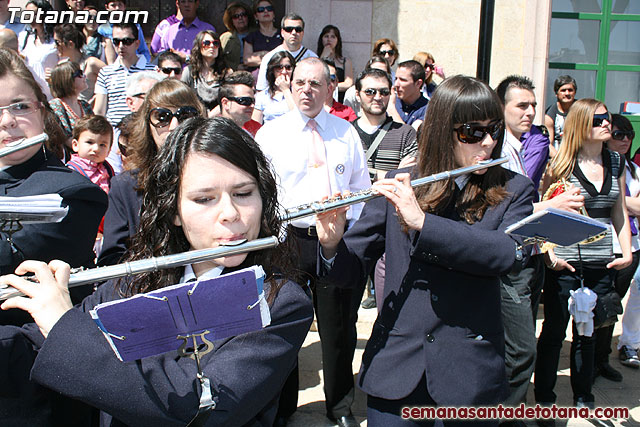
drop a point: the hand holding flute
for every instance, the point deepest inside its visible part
(46, 301)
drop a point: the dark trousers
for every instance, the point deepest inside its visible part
(336, 314)
(520, 294)
(556, 317)
(604, 335)
(388, 413)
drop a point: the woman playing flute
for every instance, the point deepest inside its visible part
(210, 185)
(438, 339)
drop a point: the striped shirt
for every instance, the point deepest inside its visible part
(111, 82)
(399, 142)
(599, 205)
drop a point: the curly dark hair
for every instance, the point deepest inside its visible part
(158, 235)
(271, 68)
(197, 61)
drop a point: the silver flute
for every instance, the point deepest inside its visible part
(24, 143)
(99, 274)
(365, 195)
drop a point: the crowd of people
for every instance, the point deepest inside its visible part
(200, 139)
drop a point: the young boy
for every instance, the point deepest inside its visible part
(92, 137)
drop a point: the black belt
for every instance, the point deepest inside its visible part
(309, 231)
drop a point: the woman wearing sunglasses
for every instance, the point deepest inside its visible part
(445, 249)
(167, 104)
(236, 19)
(277, 98)
(430, 67)
(266, 38)
(206, 68)
(584, 162)
(69, 41)
(210, 184)
(388, 50)
(67, 83)
(622, 135)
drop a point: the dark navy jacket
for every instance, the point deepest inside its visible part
(122, 218)
(441, 313)
(246, 372)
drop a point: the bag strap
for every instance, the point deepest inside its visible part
(381, 134)
(300, 55)
(77, 167)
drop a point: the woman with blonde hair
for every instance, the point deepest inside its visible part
(168, 103)
(584, 162)
(430, 67)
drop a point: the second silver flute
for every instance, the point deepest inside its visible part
(364, 195)
(24, 143)
(99, 274)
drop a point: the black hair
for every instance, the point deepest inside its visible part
(520, 82)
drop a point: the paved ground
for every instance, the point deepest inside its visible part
(311, 399)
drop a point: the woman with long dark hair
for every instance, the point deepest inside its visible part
(167, 104)
(277, 99)
(210, 184)
(330, 47)
(584, 162)
(206, 69)
(445, 250)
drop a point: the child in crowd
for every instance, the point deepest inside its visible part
(92, 138)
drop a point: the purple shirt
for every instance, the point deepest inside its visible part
(535, 154)
(180, 38)
(161, 28)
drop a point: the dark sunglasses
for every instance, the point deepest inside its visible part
(127, 41)
(161, 117)
(383, 91)
(77, 73)
(429, 66)
(242, 100)
(389, 52)
(598, 119)
(290, 29)
(619, 135)
(207, 43)
(169, 70)
(261, 9)
(239, 15)
(281, 67)
(472, 134)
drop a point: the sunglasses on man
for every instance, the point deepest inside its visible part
(161, 117)
(383, 91)
(127, 41)
(470, 133)
(242, 100)
(290, 29)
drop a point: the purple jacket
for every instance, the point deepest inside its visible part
(535, 153)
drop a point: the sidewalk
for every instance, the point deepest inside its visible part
(311, 411)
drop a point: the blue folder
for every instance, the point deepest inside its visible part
(557, 226)
(149, 324)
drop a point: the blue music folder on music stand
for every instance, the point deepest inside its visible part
(159, 321)
(556, 226)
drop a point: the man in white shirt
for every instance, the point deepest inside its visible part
(292, 31)
(306, 174)
(16, 26)
(110, 86)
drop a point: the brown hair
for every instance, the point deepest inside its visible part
(227, 18)
(11, 63)
(142, 149)
(62, 80)
(459, 99)
(94, 124)
(197, 61)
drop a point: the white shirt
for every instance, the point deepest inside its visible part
(285, 141)
(511, 147)
(190, 275)
(262, 83)
(634, 191)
